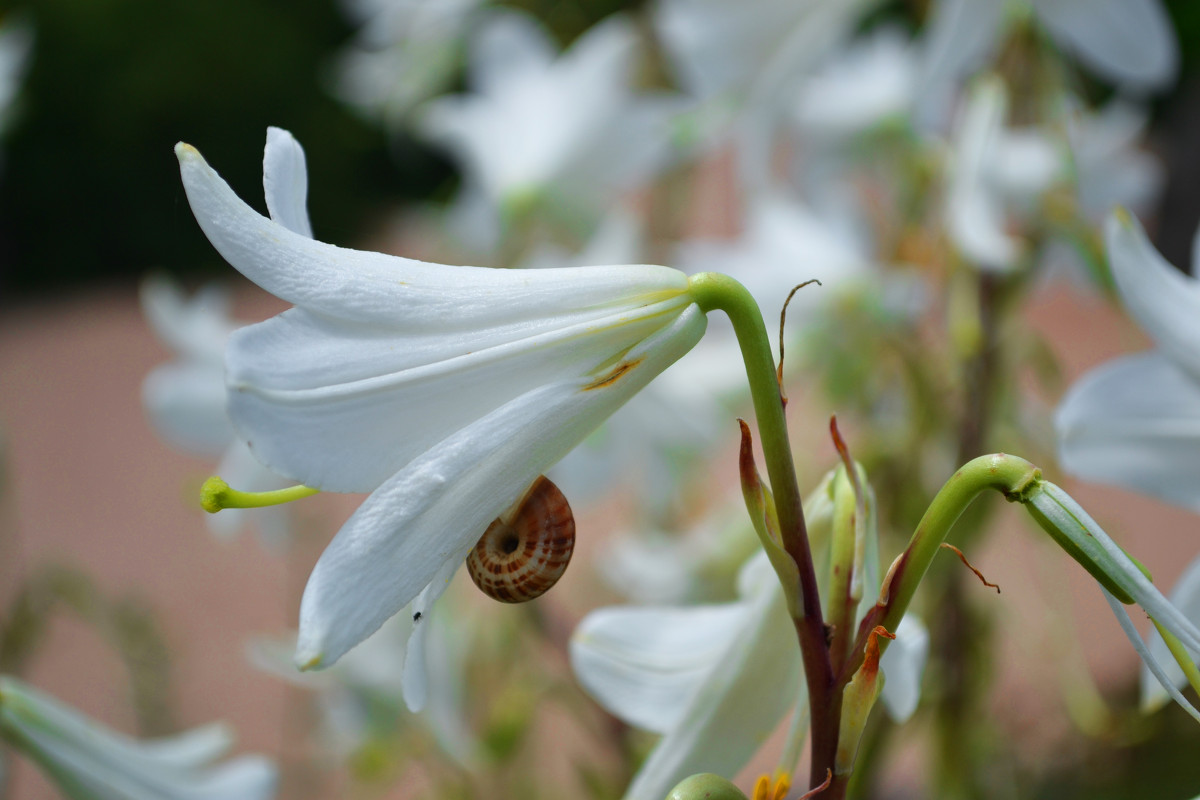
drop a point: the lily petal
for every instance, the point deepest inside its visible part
(1134, 422)
(433, 511)
(1130, 42)
(402, 293)
(1186, 597)
(1164, 301)
(903, 665)
(646, 664)
(285, 181)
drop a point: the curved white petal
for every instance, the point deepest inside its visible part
(285, 181)
(754, 682)
(90, 761)
(903, 664)
(1131, 42)
(330, 404)
(433, 511)
(645, 664)
(401, 293)
(1186, 597)
(1164, 301)
(1134, 422)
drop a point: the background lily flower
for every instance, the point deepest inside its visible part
(444, 391)
(1135, 421)
(90, 762)
(1128, 42)
(716, 679)
(536, 122)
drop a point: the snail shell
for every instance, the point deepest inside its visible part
(526, 550)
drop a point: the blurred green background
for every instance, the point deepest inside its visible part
(88, 185)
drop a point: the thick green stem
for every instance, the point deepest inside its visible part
(713, 291)
(1010, 475)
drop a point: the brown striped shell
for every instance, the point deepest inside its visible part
(526, 550)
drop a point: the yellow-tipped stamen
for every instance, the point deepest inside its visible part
(216, 494)
(767, 789)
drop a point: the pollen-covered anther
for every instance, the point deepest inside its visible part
(766, 788)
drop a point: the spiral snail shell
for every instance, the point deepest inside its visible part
(526, 550)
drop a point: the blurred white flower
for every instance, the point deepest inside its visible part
(382, 670)
(783, 243)
(724, 48)
(1135, 421)
(406, 51)
(714, 679)
(1129, 42)
(994, 172)
(1111, 169)
(535, 124)
(444, 391)
(869, 82)
(91, 762)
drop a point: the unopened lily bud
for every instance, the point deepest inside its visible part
(706, 786)
(858, 698)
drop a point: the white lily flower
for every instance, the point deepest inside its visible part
(536, 123)
(405, 52)
(721, 48)
(992, 169)
(715, 679)
(1135, 421)
(91, 762)
(444, 391)
(783, 243)
(1129, 42)
(870, 81)
(349, 693)
(1110, 168)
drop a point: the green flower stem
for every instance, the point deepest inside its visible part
(1012, 476)
(713, 291)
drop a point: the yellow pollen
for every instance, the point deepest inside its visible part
(766, 789)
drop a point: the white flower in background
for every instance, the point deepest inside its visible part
(1110, 167)
(90, 762)
(993, 173)
(380, 671)
(868, 83)
(1135, 421)
(406, 51)
(724, 48)
(443, 391)
(1128, 42)
(784, 243)
(536, 123)
(715, 680)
